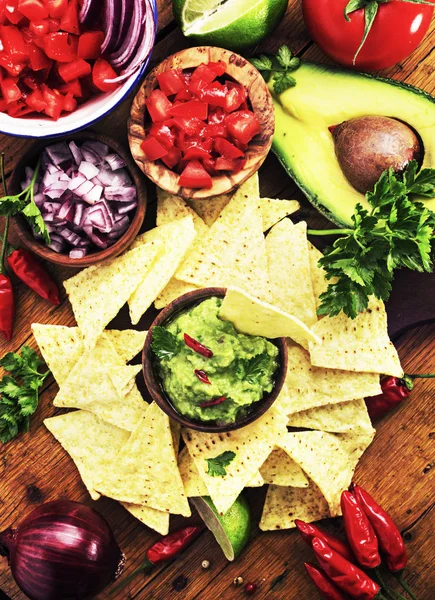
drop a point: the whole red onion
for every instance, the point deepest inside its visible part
(63, 550)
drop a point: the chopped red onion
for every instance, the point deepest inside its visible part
(78, 253)
(76, 152)
(59, 153)
(114, 160)
(88, 169)
(83, 189)
(120, 194)
(125, 208)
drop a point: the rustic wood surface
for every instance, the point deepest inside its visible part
(398, 468)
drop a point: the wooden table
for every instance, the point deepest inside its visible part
(398, 468)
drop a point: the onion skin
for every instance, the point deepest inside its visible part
(63, 550)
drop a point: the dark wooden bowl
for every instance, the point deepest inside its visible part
(243, 72)
(30, 157)
(157, 392)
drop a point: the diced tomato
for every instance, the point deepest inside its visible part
(210, 167)
(36, 101)
(183, 95)
(70, 19)
(189, 126)
(195, 142)
(226, 149)
(216, 114)
(216, 130)
(195, 176)
(227, 164)
(54, 101)
(56, 8)
(90, 45)
(196, 86)
(153, 149)
(18, 109)
(101, 72)
(163, 134)
(33, 9)
(39, 28)
(12, 13)
(58, 47)
(10, 91)
(171, 81)
(158, 106)
(218, 67)
(69, 103)
(12, 67)
(73, 87)
(243, 125)
(53, 25)
(75, 70)
(172, 158)
(13, 43)
(189, 110)
(3, 105)
(203, 73)
(214, 94)
(235, 98)
(38, 58)
(195, 153)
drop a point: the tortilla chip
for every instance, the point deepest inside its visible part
(91, 442)
(327, 460)
(256, 481)
(234, 248)
(273, 210)
(154, 519)
(344, 417)
(123, 378)
(127, 343)
(254, 317)
(210, 209)
(89, 387)
(318, 274)
(286, 504)
(251, 444)
(360, 344)
(289, 271)
(176, 239)
(99, 292)
(310, 387)
(61, 348)
(146, 470)
(280, 469)
(172, 208)
(173, 290)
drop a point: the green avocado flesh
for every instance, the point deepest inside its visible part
(324, 96)
(228, 369)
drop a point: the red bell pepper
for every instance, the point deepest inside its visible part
(12, 67)
(10, 91)
(90, 45)
(38, 59)
(13, 43)
(75, 70)
(58, 46)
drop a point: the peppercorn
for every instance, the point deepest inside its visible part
(238, 581)
(205, 564)
(250, 588)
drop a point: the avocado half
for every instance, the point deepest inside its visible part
(325, 96)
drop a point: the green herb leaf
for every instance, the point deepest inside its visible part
(262, 63)
(165, 344)
(11, 205)
(216, 466)
(284, 56)
(279, 67)
(282, 82)
(36, 221)
(252, 370)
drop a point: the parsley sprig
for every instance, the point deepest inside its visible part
(165, 344)
(24, 203)
(280, 66)
(19, 391)
(217, 465)
(254, 369)
(395, 232)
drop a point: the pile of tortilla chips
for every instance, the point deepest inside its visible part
(305, 448)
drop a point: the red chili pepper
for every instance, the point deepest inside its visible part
(197, 346)
(170, 545)
(309, 532)
(394, 392)
(7, 306)
(327, 589)
(360, 533)
(202, 376)
(390, 539)
(347, 576)
(213, 402)
(31, 272)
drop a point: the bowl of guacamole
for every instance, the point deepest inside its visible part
(204, 373)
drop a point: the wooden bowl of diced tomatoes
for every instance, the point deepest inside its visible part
(202, 122)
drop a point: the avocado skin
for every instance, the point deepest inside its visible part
(328, 96)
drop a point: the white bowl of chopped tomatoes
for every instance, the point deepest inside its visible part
(62, 68)
(202, 122)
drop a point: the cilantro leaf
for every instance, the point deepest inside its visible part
(279, 67)
(262, 63)
(284, 56)
(11, 205)
(36, 220)
(282, 82)
(252, 370)
(165, 344)
(216, 466)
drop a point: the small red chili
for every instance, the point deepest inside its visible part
(7, 307)
(213, 402)
(202, 376)
(197, 346)
(327, 589)
(360, 533)
(309, 531)
(394, 392)
(250, 588)
(31, 272)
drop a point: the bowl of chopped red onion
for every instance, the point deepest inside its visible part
(60, 81)
(87, 199)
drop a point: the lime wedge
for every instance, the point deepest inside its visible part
(231, 530)
(233, 24)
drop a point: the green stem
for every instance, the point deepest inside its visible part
(388, 591)
(330, 231)
(422, 376)
(127, 580)
(6, 230)
(405, 586)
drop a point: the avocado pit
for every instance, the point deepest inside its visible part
(367, 146)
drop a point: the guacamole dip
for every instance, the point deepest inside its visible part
(222, 377)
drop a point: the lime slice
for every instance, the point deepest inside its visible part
(233, 24)
(231, 530)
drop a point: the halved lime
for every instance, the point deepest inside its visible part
(233, 24)
(231, 530)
